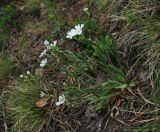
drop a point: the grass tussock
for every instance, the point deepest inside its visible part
(33, 7)
(8, 20)
(21, 105)
(137, 35)
(6, 64)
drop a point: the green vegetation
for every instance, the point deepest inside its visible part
(95, 54)
(36, 28)
(8, 21)
(21, 105)
(33, 7)
(8, 18)
(83, 69)
(6, 64)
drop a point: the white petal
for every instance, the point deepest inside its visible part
(85, 9)
(43, 53)
(46, 42)
(68, 36)
(61, 98)
(28, 73)
(51, 45)
(43, 62)
(73, 32)
(59, 103)
(48, 47)
(42, 94)
(21, 75)
(82, 25)
(115, 33)
(78, 27)
(55, 42)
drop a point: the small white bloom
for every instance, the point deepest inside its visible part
(28, 73)
(76, 31)
(43, 62)
(51, 45)
(71, 34)
(43, 53)
(21, 75)
(42, 94)
(46, 42)
(55, 43)
(61, 100)
(85, 9)
(115, 33)
(79, 28)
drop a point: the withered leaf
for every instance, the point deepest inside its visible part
(41, 103)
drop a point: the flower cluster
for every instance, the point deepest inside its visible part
(76, 31)
(43, 53)
(28, 73)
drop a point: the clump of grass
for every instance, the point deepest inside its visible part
(33, 7)
(23, 43)
(6, 64)
(21, 105)
(36, 28)
(8, 18)
(8, 15)
(55, 18)
(101, 3)
(4, 38)
(137, 37)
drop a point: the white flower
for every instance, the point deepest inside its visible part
(76, 31)
(55, 43)
(42, 94)
(43, 62)
(46, 42)
(51, 45)
(115, 33)
(61, 100)
(85, 9)
(79, 28)
(71, 34)
(28, 73)
(43, 53)
(48, 47)
(21, 75)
